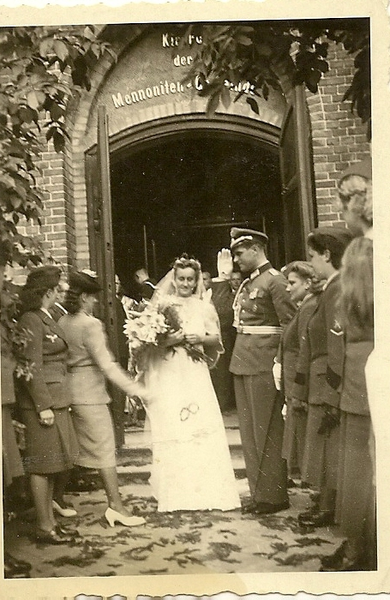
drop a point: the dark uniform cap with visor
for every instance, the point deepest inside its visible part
(238, 236)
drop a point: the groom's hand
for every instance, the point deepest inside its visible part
(224, 264)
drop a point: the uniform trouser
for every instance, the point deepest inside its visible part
(259, 408)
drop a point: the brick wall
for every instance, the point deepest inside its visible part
(339, 137)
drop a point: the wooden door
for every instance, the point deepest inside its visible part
(299, 212)
(102, 252)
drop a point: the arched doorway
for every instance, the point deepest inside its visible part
(179, 183)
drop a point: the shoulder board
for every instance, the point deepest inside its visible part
(273, 271)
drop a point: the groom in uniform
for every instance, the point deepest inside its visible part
(262, 307)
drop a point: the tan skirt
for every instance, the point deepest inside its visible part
(95, 434)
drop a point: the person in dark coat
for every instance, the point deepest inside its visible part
(12, 463)
(355, 511)
(58, 309)
(51, 445)
(223, 298)
(145, 285)
(325, 351)
(261, 307)
(300, 276)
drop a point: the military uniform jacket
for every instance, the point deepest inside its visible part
(320, 365)
(293, 340)
(47, 349)
(262, 300)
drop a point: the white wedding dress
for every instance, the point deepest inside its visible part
(192, 468)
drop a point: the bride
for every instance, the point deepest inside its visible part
(192, 467)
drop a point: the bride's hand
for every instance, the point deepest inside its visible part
(142, 392)
(193, 338)
(173, 339)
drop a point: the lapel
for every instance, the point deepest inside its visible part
(51, 324)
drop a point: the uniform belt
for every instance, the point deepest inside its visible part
(259, 329)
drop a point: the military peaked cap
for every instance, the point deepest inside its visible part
(238, 236)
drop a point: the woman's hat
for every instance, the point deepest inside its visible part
(84, 282)
(47, 277)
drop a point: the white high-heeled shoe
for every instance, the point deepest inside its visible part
(66, 511)
(114, 516)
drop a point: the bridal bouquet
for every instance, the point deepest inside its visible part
(147, 333)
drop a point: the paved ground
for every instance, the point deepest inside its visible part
(176, 543)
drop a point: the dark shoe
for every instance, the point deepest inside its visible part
(16, 563)
(321, 519)
(333, 560)
(308, 514)
(347, 564)
(291, 483)
(51, 537)
(11, 572)
(66, 531)
(266, 508)
(248, 506)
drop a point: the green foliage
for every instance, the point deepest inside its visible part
(278, 55)
(41, 70)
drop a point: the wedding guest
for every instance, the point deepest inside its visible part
(145, 285)
(12, 464)
(51, 445)
(356, 490)
(325, 349)
(223, 297)
(90, 363)
(300, 275)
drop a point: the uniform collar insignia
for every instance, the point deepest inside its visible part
(262, 269)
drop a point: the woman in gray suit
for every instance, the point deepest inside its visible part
(90, 362)
(51, 445)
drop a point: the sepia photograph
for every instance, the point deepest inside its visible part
(188, 377)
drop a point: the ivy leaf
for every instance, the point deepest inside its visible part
(46, 46)
(59, 141)
(212, 103)
(61, 49)
(35, 99)
(253, 104)
(27, 114)
(244, 40)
